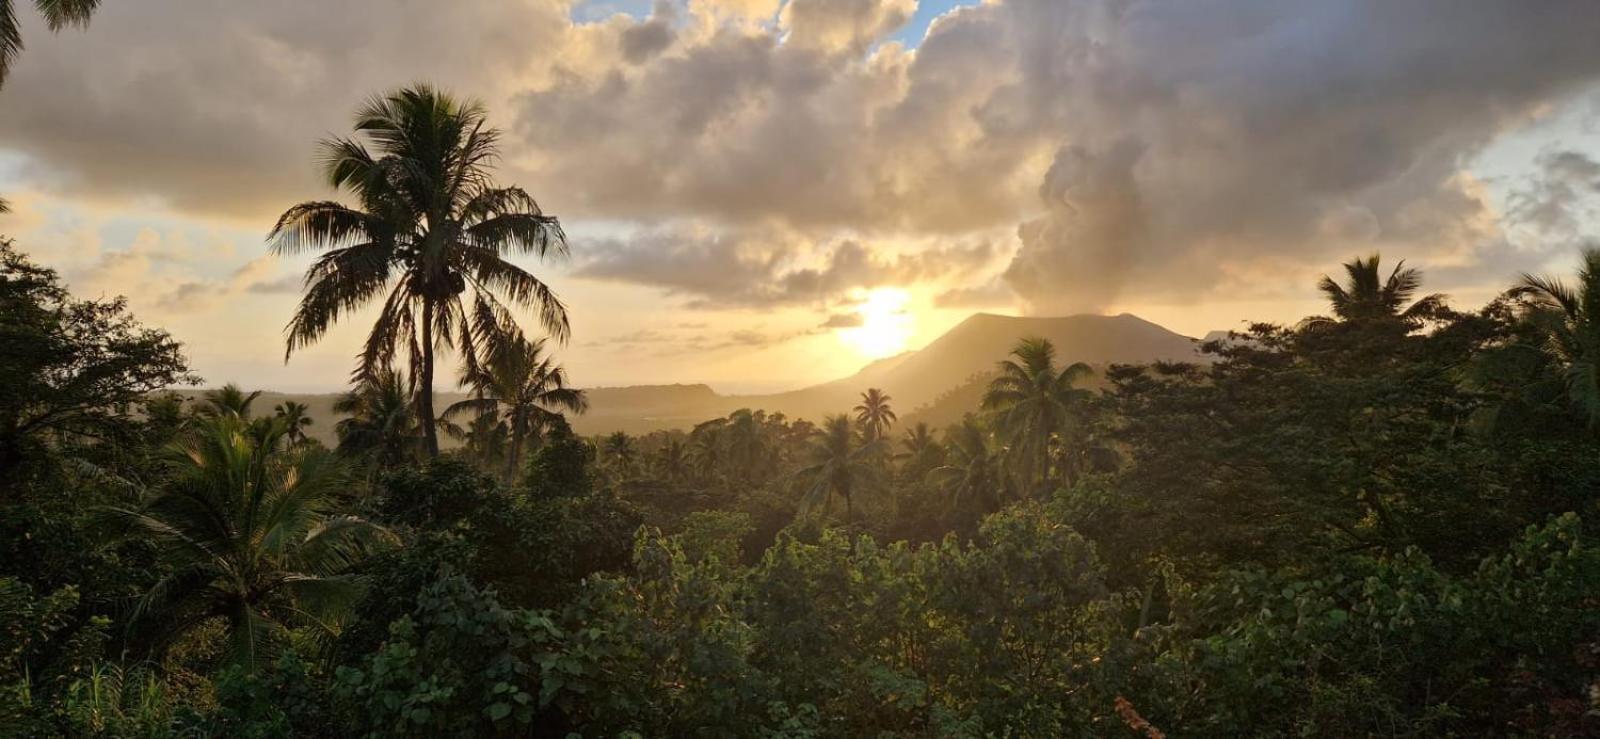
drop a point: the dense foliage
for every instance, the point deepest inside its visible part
(1367, 524)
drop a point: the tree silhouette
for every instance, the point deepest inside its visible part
(228, 400)
(1368, 296)
(382, 424)
(523, 387)
(874, 413)
(972, 476)
(1568, 319)
(294, 419)
(428, 241)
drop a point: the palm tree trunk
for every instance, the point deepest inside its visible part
(515, 451)
(430, 435)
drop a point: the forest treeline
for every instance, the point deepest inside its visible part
(1365, 523)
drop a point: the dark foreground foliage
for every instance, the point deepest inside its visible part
(1379, 523)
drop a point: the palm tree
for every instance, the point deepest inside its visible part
(972, 475)
(874, 413)
(382, 423)
(1568, 319)
(227, 400)
(841, 463)
(705, 453)
(294, 419)
(672, 460)
(619, 449)
(745, 438)
(922, 452)
(1367, 296)
(58, 14)
(485, 438)
(250, 536)
(522, 386)
(428, 240)
(1033, 402)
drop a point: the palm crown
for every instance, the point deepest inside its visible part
(428, 240)
(874, 413)
(1033, 401)
(58, 14)
(1568, 318)
(1367, 295)
(523, 386)
(841, 464)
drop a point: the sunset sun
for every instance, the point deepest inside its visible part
(886, 325)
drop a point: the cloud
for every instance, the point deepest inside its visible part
(1128, 149)
(216, 107)
(1556, 201)
(844, 320)
(767, 268)
(668, 343)
(992, 294)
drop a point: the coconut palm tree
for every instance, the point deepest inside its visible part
(972, 476)
(619, 451)
(672, 460)
(294, 419)
(250, 536)
(1367, 296)
(874, 413)
(58, 14)
(382, 424)
(705, 453)
(1032, 402)
(922, 454)
(842, 463)
(744, 436)
(522, 386)
(1568, 319)
(227, 400)
(485, 439)
(428, 240)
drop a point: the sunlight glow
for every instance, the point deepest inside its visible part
(886, 325)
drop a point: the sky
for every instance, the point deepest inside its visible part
(764, 194)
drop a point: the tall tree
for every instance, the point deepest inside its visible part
(295, 418)
(250, 536)
(922, 454)
(1368, 296)
(1033, 401)
(428, 240)
(874, 413)
(228, 400)
(525, 388)
(972, 475)
(841, 463)
(382, 424)
(485, 439)
(619, 452)
(672, 460)
(1568, 319)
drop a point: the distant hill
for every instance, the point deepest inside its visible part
(952, 366)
